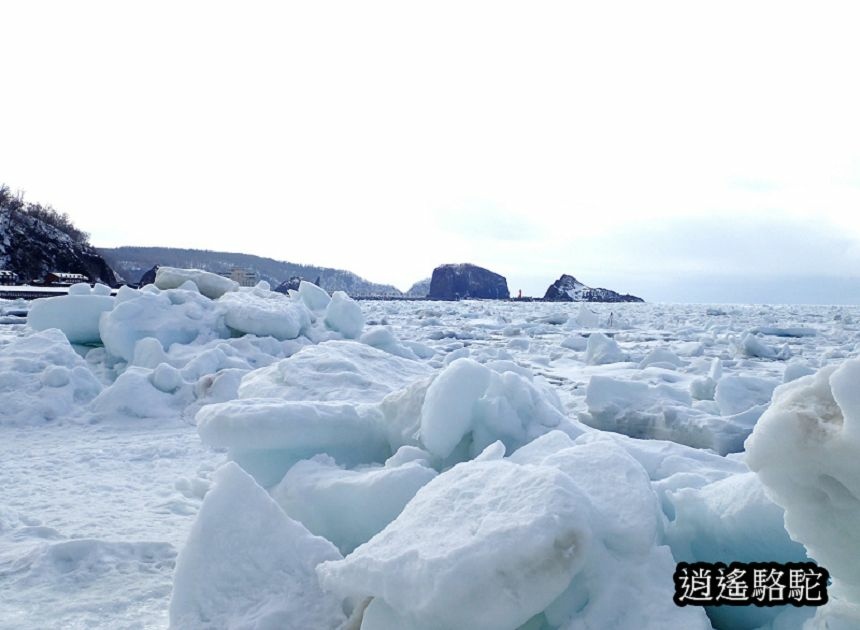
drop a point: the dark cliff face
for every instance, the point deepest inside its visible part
(457, 282)
(289, 285)
(32, 248)
(569, 289)
(148, 277)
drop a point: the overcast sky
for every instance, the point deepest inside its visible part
(682, 151)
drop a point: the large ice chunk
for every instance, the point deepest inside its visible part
(485, 546)
(805, 450)
(268, 435)
(471, 406)
(731, 520)
(264, 313)
(778, 331)
(144, 393)
(574, 342)
(621, 592)
(344, 315)
(602, 349)
(448, 411)
(77, 315)
(348, 507)
(662, 357)
(585, 318)
(401, 412)
(209, 284)
(334, 370)
(736, 393)
(705, 387)
(795, 370)
(248, 565)
(751, 345)
(384, 339)
(552, 537)
(314, 297)
(627, 512)
(662, 412)
(664, 460)
(175, 316)
(274, 423)
(629, 565)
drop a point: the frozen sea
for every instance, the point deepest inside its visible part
(104, 473)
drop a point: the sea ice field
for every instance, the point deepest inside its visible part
(198, 455)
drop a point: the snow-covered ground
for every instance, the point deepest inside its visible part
(91, 521)
(415, 465)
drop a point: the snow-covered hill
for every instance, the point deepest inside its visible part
(569, 289)
(133, 262)
(420, 289)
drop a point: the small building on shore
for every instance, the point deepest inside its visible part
(63, 279)
(245, 277)
(8, 277)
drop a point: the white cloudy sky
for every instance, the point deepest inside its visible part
(677, 150)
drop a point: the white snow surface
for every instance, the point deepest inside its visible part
(91, 521)
(42, 379)
(469, 458)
